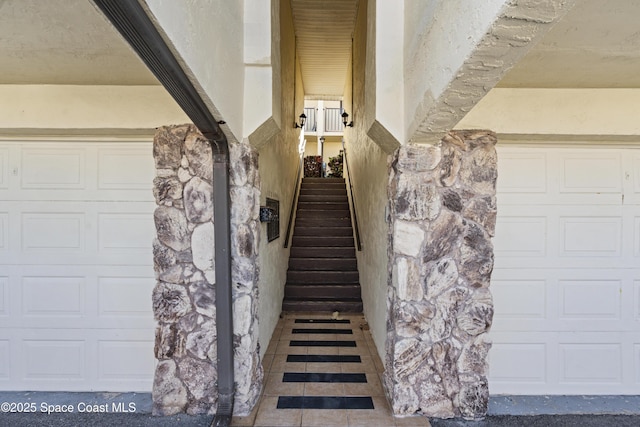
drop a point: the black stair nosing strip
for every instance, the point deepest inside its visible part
(321, 331)
(312, 343)
(322, 321)
(325, 402)
(323, 377)
(323, 358)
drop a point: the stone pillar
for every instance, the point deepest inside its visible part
(443, 213)
(184, 296)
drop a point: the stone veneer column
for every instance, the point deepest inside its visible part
(184, 296)
(443, 213)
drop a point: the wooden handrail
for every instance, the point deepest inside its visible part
(352, 203)
(294, 200)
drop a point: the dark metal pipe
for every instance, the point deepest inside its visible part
(133, 23)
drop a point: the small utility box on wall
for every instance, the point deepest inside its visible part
(271, 215)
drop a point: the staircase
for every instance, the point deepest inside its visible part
(323, 273)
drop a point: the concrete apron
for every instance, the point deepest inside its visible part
(140, 403)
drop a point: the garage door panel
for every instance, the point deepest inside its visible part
(53, 231)
(54, 296)
(125, 297)
(590, 363)
(119, 232)
(54, 360)
(522, 172)
(590, 300)
(53, 168)
(4, 168)
(521, 236)
(80, 170)
(584, 172)
(78, 297)
(566, 277)
(520, 299)
(636, 362)
(4, 232)
(4, 296)
(76, 233)
(124, 169)
(125, 360)
(529, 367)
(5, 359)
(594, 236)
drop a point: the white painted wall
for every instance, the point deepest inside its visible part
(439, 36)
(33, 108)
(278, 166)
(208, 38)
(369, 174)
(557, 112)
(389, 66)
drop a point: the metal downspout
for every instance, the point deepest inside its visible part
(133, 23)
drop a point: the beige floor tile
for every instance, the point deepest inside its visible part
(323, 367)
(324, 350)
(280, 364)
(269, 415)
(413, 421)
(324, 418)
(267, 361)
(324, 389)
(380, 416)
(366, 365)
(275, 387)
(246, 421)
(283, 347)
(372, 387)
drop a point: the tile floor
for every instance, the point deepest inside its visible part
(275, 365)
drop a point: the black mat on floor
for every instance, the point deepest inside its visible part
(322, 331)
(311, 343)
(324, 402)
(322, 358)
(322, 321)
(322, 377)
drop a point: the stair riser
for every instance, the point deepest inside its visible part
(323, 222)
(328, 206)
(322, 277)
(322, 252)
(313, 191)
(306, 213)
(322, 241)
(322, 198)
(322, 306)
(323, 231)
(325, 292)
(308, 180)
(340, 264)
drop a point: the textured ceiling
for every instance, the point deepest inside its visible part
(597, 44)
(324, 29)
(64, 42)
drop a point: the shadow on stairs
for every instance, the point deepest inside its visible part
(323, 272)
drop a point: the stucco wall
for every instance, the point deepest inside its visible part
(557, 112)
(368, 163)
(209, 39)
(87, 108)
(278, 162)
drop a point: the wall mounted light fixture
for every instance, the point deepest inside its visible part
(345, 120)
(302, 118)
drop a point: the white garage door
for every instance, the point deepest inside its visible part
(76, 267)
(566, 282)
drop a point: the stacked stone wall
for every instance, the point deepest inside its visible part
(184, 296)
(443, 213)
